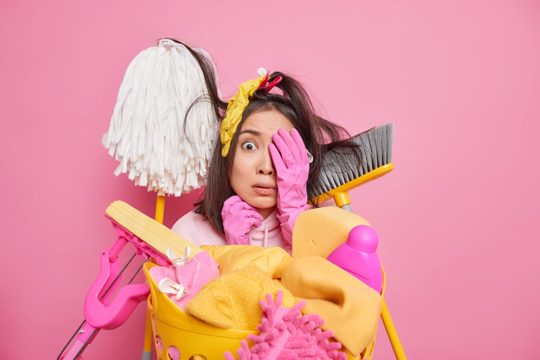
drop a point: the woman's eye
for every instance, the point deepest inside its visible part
(249, 145)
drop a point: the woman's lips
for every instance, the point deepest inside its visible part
(264, 190)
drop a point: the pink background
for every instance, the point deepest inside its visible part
(461, 80)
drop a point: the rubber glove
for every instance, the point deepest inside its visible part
(238, 219)
(289, 155)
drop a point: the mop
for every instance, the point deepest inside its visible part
(162, 133)
(150, 136)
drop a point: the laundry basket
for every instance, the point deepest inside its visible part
(178, 336)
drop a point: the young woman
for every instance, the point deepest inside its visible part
(268, 157)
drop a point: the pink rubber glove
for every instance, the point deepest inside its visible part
(289, 155)
(238, 219)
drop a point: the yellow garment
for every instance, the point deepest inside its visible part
(317, 232)
(271, 260)
(235, 109)
(232, 300)
(349, 307)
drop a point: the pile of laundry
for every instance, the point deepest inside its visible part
(297, 307)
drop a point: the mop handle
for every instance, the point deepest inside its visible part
(97, 314)
(100, 312)
(150, 239)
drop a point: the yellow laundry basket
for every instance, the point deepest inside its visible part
(180, 336)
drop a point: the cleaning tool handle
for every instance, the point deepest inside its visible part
(115, 313)
(399, 352)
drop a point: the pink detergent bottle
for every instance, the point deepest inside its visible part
(358, 256)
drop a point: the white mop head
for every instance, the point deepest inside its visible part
(148, 134)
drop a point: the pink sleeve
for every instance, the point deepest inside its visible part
(196, 228)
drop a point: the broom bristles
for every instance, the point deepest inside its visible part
(343, 165)
(148, 133)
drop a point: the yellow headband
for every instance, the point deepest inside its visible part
(235, 109)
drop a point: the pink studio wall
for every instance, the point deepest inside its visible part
(457, 217)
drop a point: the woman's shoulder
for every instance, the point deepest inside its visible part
(196, 228)
(190, 218)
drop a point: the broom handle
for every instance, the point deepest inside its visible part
(148, 338)
(392, 332)
(160, 208)
(343, 201)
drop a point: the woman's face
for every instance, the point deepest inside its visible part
(253, 175)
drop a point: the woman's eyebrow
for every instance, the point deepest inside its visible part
(250, 131)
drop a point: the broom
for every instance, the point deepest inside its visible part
(371, 159)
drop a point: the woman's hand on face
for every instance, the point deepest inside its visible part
(238, 219)
(289, 155)
(290, 158)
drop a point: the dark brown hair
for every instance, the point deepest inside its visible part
(319, 135)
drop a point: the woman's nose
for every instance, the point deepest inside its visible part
(266, 167)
